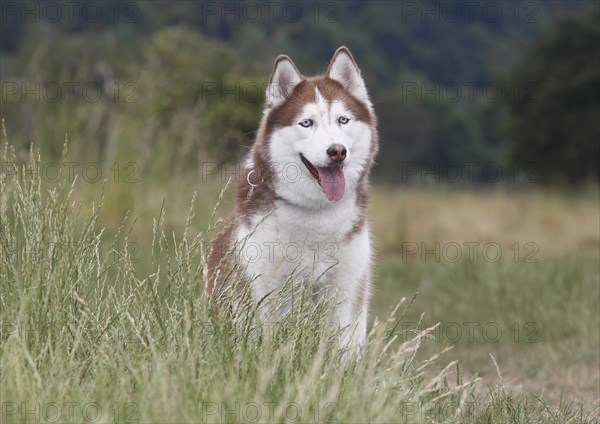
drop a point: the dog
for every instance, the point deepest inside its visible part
(301, 199)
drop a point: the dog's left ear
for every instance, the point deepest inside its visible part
(343, 69)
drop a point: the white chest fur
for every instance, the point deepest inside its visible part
(294, 246)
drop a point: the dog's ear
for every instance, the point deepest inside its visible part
(284, 78)
(343, 69)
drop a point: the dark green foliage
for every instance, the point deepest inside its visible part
(183, 82)
(554, 122)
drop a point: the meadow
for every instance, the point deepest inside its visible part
(486, 309)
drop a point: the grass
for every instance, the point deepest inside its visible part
(539, 320)
(93, 331)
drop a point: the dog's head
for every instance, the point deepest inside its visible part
(318, 135)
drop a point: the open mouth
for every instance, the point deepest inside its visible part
(311, 168)
(330, 179)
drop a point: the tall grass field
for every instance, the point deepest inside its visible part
(104, 318)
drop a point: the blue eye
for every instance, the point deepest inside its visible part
(306, 123)
(343, 120)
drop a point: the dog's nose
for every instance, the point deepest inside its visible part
(337, 152)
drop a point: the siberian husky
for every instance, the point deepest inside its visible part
(302, 197)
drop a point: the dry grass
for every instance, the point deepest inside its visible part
(558, 222)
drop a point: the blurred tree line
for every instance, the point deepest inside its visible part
(171, 85)
(556, 122)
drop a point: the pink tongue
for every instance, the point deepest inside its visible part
(332, 182)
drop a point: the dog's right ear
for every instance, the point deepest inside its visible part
(284, 78)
